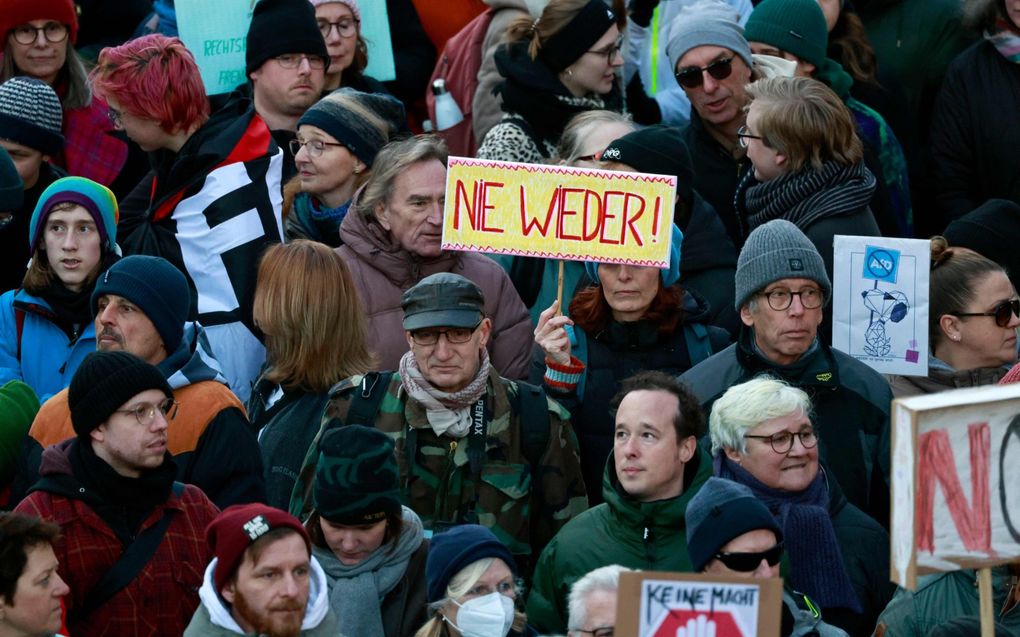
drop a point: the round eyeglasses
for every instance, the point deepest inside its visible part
(345, 28)
(781, 299)
(743, 134)
(293, 61)
(782, 441)
(145, 413)
(53, 32)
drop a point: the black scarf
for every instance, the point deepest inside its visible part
(124, 502)
(807, 195)
(72, 311)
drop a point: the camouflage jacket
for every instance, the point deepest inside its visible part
(440, 485)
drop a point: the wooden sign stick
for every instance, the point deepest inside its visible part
(559, 289)
(985, 595)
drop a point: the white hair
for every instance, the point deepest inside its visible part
(605, 579)
(745, 406)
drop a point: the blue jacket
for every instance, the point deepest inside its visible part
(48, 357)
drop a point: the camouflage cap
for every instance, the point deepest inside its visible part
(356, 479)
(442, 300)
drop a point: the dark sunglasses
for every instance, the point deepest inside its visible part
(692, 77)
(1003, 312)
(747, 562)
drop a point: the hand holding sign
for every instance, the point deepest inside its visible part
(551, 336)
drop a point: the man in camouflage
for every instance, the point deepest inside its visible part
(472, 447)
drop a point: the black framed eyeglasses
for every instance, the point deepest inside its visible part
(781, 299)
(455, 335)
(691, 77)
(782, 441)
(314, 146)
(601, 631)
(346, 28)
(293, 61)
(747, 562)
(1003, 312)
(610, 52)
(53, 32)
(743, 134)
(145, 413)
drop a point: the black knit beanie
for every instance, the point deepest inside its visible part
(104, 382)
(279, 27)
(356, 479)
(659, 150)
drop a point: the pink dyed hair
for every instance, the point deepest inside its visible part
(154, 77)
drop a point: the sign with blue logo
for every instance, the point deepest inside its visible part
(881, 264)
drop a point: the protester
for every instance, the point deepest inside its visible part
(850, 48)
(31, 589)
(263, 579)
(593, 602)
(337, 141)
(29, 138)
(392, 241)
(18, 406)
(226, 166)
(781, 287)
(141, 307)
(46, 325)
(651, 475)
(796, 30)
(712, 63)
(634, 318)
(731, 533)
(448, 404)
(38, 38)
(339, 22)
(372, 549)
(973, 314)
(763, 437)
(808, 163)
(113, 485)
(988, 230)
(472, 587)
(972, 152)
(553, 68)
(311, 346)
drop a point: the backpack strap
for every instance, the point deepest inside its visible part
(699, 343)
(367, 397)
(532, 409)
(129, 565)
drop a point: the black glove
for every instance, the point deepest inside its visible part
(641, 11)
(644, 109)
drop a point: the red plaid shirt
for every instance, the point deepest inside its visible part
(162, 598)
(89, 148)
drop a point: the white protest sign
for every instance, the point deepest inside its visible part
(375, 30)
(956, 497)
(697, 605)
(880, 302)
(215, 33)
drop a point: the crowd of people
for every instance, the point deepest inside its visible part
(245, 391)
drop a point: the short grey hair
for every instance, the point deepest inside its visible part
(393, 159)
(605, 579)
(745, 406)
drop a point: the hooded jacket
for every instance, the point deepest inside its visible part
(213, 618)
(210, 439)
(160, 600)
(641, 535)
(382, 270)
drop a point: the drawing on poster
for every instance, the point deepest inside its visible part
(698, 609)
(880, 302)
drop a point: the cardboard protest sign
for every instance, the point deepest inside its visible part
(375, 30)
(215, 34)
(956, 497)
(558, 212)
(880, 302)
(697, 605)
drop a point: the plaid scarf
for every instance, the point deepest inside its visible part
(446, 411)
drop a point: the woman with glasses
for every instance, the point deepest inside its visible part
(561, 64)
(340, 24)
(46, 326)
(763, 437)
(973, 315)
(38, 41)
(337, 140)
(315, 332)
(472, 587)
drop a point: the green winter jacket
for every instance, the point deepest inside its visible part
(640, 535)
(942, 597)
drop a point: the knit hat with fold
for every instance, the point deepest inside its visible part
(31, 115)
(363, 122)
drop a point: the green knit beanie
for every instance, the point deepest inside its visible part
(18, 406)
(793, 26)
(356, 478)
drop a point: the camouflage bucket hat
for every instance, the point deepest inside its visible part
(356, 478)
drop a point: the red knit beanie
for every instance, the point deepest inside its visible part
(18, 12)
(237, 527)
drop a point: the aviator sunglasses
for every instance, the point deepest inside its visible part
(747, 562)
(692, 77)
(1003, 312)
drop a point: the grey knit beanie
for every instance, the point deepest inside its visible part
(706, 23)
(720, 511)
(31, 115)
(363, 122)
(778, 250)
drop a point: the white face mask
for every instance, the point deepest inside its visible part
(487, 616)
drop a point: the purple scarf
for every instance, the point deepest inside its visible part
(816, 562)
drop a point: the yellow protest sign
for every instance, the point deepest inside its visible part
(558, 212)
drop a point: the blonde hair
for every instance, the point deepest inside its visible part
(581, 126)
(459, 585)
(314, 325)
(805, 120)
(745, 406)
